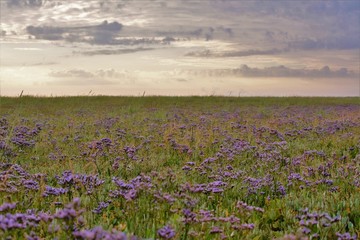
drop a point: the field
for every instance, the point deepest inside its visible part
(179, 168)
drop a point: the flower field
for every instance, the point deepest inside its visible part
(179, 168)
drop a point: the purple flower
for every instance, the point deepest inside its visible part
(217, 190)
(166, 232)
(3, 145)
(89, 182)
(7, 206)
(106, 142)
(54, 191)
(102, 205)
(20, 220)
(216, 229)
(346, 236)
(189, 215)
(249, 226)
(186, 168)
(282, 190)
(31, 184)
(67, 178)
(242, 205)
(305, 230)
(99, 233)
(71, 211)
(32, 236)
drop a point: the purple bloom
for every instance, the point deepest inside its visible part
(166, 232)
(130, 190)
(216, 229)
(106, 142)
(186, 168)
(67, 178)
(248, 226)
(346, 236)
(306, 230)
(7, 206)
(54, 191)
(70, 211)
(31, 184)
(20, 220)
(242, 205)
(102, 205)
(282, 190)
(89, 182)
(189, 215)
(217, 190)
(99, 233)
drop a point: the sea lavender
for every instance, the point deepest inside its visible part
(166, 232)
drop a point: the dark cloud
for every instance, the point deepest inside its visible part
(293, 8)
(98, 77)
(282, 71)
(207, 33)
(337, 42)
(24, 3)
(81, 82)
(182, 33)
(103, 33)
(74, 73)
(46, 32)
(84, 74)
(111, 52)
(41, 64)
(276, 71)
(251, 52)
(346, 42)
(181, 80)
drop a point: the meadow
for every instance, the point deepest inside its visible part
(179, 168)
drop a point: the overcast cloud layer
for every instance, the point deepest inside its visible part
(180, 47)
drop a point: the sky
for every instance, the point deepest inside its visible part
(180, 47)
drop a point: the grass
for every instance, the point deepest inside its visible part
(190, 163)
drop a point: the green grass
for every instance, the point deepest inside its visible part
(251, 138)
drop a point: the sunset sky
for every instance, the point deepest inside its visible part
(180, 47)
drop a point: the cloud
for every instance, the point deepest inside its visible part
(112, 52)
(340, 43)
(103, 33)
(76, 77)
(80, 73)
(24, 3)
(46, 32)
(81, 82)
(246, 53)
(98, 77)
(36, 64)
(73, 73)
(276, 71)
(282, 71)
(208, 33)
(181, 80)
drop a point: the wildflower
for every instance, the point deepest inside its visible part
(166, 232)
(7, 206)
(54, 191)
(346, 236)
(101, 207)
(216, 229)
